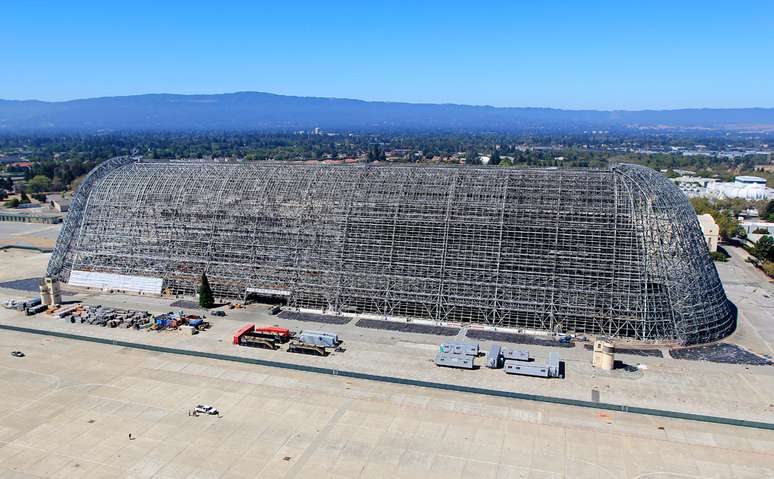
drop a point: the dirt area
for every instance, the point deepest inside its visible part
(37, 235)
(653, 353)
(720, 353)
(314, 318)
(19, 264)
(514, 338)
(407, 327)
(27, 284)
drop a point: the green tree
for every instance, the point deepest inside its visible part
(718, 256)
(764, 248)
(768, 211)
(375, 154)
(727, 224)
(39, 183)
(494, 159)
(12, 203)
(24, 199)
(76, 183)
(472, 158)
(702, 206)
(56, 184)
(206, 299)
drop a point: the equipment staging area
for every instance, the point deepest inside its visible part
(69, 413)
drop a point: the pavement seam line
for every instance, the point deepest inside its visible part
(404, 381)
(309, 451)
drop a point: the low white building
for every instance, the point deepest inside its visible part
(693, 186)
(745, 187)
(751, 226)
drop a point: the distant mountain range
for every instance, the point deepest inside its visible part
(266, 111)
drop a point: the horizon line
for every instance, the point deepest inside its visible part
(398, 102)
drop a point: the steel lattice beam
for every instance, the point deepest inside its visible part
(616, 252)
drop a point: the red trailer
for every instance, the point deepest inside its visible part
(246, 329)
(267, 337)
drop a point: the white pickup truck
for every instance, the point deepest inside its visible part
(204, 409)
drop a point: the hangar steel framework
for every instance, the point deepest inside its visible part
(615, 252)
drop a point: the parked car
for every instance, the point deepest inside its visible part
(204, 409)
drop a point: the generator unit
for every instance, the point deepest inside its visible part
(457, 355)
(526, 369)
(494, 358)
(516, 354)
(451, 360)
(550, 370)
(469, 349)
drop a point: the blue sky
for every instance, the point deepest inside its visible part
(593, 54)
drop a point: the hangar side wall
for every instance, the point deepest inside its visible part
(563, 250)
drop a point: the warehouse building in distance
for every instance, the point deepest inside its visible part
(615, 252)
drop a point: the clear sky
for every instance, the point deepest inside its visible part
(583, 54)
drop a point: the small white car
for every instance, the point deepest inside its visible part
(204, 409)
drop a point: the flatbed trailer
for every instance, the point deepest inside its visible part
(297, 346)
(266, 337)
(314, 342)
(252, 341)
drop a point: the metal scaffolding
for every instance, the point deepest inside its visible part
(614, 252)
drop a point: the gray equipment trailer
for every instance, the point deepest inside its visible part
(450, 360)
(457, 355)
(497, 355)
(469, 349)
(550, 370)
(494, 357)
(314, 342)
(516, 354)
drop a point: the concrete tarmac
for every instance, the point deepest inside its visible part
(70, 406)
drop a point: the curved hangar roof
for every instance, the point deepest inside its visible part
(616, 252)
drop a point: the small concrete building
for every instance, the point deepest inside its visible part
(59, 203)
(604, 355)
(710, 230)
